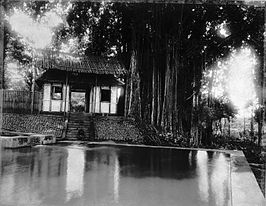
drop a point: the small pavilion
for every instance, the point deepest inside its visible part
(97, 81)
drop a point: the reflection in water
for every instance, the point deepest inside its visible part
(116, 179)
(8, 189)
(75, 173)
(219, 179)
(213, 170)
(115, 176)
(202, 163)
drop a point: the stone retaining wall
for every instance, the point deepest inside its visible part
(117, 129)
(39, 123)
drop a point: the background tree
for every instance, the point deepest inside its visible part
(165, 48)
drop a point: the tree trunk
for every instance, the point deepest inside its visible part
(2, 50)
(263, 85)
(2, 43)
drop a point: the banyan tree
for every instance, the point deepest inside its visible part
(168, 48)
(165, 48)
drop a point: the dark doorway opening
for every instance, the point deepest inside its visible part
(78, 101)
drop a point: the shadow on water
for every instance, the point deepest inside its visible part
(109, 175)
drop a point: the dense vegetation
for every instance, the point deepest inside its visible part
(165, 48)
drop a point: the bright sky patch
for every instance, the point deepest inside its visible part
(39, 34)
(233, 78)
(223, 30)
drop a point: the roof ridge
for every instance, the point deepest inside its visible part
(85, 64)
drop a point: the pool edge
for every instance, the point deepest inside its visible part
(245, 190)
(244, 187)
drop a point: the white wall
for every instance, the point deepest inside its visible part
(65, 94)
(46, 97)
(56, 105)
(95, 105)
(114, 100)
(97, 100)
(104, 107)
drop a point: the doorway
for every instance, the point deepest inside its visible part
(77, 101)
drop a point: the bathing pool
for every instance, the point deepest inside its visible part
(122, 175)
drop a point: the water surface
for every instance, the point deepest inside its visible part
(113, 175)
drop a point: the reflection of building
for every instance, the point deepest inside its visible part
(102, 179)
(75, 173)
(97, 78)
(203, 175)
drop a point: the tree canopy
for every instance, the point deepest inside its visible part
(165, 47)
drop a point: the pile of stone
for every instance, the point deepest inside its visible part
(118, 129)
(38, 123)
(25, 140)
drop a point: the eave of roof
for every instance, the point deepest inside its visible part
(59, 76)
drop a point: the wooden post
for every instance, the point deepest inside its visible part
(1, 61)
(95, 94)
(126, 91)
(32, 88)
(65, 112)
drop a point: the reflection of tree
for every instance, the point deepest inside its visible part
(145, 162)
(35, 171)
(213, 177)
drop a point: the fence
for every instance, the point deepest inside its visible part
(20, 101)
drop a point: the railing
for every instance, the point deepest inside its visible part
(20, 101)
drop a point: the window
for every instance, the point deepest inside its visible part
(57, 92)
(105, 95)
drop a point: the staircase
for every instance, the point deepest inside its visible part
(80, 127)
(84, 126)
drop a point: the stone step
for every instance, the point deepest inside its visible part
(79, 118)
(76, 136)
(77, 129)
(69, 132)
(77, 126)
(79, 121)
(76, 132)
(71, 139)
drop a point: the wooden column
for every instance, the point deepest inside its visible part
(65, 95)
(87, 99)
(33, 87)
(95, 95)
(126, 91)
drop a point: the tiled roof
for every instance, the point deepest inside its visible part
(88, 64)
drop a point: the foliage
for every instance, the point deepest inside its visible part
(96, 26)
(252, 150)
(165, 47)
